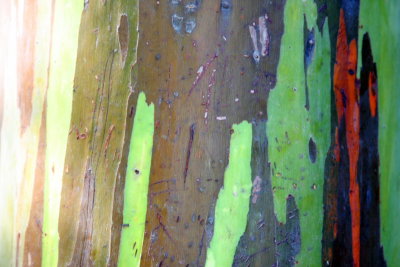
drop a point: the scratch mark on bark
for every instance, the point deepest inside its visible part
(189, 150)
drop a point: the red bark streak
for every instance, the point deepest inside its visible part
(372, 93)
(347, 106)
(353, 146)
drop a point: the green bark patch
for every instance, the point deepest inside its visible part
(298, 128)
(137, 184)
(233, 199)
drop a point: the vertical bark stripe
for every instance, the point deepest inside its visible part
(233, 199)
(137, 184)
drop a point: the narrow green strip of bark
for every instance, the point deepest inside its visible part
(59, 106)
(137, 184)
(233, 200)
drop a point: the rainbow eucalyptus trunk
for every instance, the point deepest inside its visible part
(201, 133)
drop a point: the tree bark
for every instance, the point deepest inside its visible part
(200, 133)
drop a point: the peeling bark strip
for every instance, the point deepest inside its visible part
(233, 199)
(137, 184)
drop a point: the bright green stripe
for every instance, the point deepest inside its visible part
(381, 20)
(290, 127)
(59, 104)
(233, 199)
(137, 184)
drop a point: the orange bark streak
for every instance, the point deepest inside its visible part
(347, 95)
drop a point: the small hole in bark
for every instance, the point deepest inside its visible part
(137, 171)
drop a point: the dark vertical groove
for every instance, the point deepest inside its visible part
(369, 162)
